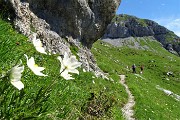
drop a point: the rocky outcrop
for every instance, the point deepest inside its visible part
(84, 20)
(62, 24)
(123, 26)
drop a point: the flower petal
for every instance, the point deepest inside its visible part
(15, 75)
(31, 62)
(75, 65)
(16, 72)
(66, 76)
(41, 50)
(36, 70)
(20, 69)
(59, 58)
(65, 57)
(17, 83)
(39, 73)
(26, 57)
(73, 71)
(62, 64)
(38, 44)
(39, 68)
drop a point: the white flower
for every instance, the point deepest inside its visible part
(84, 70)
(38, 45)
(93, 77)
(68, 65)
(66, 76)
(34, 67)
(93, 82)
(15, 76)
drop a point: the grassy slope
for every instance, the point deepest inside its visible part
(73, 99)
(150, 102)
(80, 98)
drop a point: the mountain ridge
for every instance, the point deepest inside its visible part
(124, 26)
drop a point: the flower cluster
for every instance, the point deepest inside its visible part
(69, 64)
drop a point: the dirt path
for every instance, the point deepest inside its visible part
(127, 110)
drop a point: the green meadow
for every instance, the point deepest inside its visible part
(151, 103)
(88, 97)
(52, 97)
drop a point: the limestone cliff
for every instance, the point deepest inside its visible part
(123, 26)
(82, 19)
(63, 24)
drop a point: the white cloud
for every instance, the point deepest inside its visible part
(174, 23)
(171, 23)
(177, 33)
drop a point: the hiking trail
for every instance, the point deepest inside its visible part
(127, 110)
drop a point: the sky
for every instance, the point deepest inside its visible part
(164, 12)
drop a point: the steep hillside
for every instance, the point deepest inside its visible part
(124, 26)
(88, 97)
(27, 94)
(51, 97)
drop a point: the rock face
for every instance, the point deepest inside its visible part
(123, 26)
(82, 19)
(62, 24)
